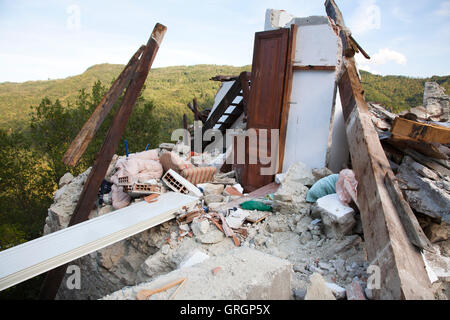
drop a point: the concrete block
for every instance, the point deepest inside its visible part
(246, 274)
(179, 184)
(338, 219)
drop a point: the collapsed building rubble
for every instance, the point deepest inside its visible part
(363, 193)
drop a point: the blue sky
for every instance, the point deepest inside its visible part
(56, 38)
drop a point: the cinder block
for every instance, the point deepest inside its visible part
(179, 184)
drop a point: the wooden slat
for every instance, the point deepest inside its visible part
(287, 94)
(319, 68)
(417, 131)
(103, 158)
(402, 269)
(87, 132)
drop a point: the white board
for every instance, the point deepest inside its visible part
(315, 130)
(309, 118)
(34, 257)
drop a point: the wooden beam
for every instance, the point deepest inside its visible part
(245, 79)
(222, 78)
(103, 158)
(87, 132)
(417, 131)
(287, 94)
(310, 67)
(196, 114)
(402, 269)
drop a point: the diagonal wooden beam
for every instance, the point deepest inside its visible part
(87, 132)
(402, 270)
(103, 158)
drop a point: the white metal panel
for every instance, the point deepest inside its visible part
(32, 258)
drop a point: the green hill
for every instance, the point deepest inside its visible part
(172, 88)
(398, 93)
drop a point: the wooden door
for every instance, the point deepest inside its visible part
(270, 57)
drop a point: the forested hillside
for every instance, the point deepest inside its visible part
(398, 93)
(170, 89)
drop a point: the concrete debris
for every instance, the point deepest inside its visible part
(245, 274)
(291, 196)
(193, 258)
(65, 179)
(213, 198)
(318, 290)
(211, 189)
(423, 194)
(211, 237)
(338, 219)
(200, 226)
(236, 218)
(338, 292)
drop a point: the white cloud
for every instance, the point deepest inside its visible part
(383, 56)
(444, 9)
(386, 55)
(366, 17)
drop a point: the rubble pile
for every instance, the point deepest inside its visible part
(321, 240)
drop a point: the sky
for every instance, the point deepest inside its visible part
(52, 39)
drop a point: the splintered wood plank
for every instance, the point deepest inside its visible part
(287, 94)
(402, 269)
(417, 131)
(103, 158)
(87, 132)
